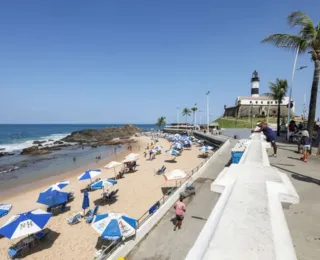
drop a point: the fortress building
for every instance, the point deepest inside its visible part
(256, 105)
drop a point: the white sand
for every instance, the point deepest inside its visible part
(137, 193)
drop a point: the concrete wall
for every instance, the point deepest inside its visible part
(145, 228)
(248, 221)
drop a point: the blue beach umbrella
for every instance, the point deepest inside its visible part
(52, 197)
(172, 152)
(89, 175)
(4, 209)
(25, 224)
(112, 226)
(58, 186)
(206, 148)
(177, 146)
(158, 147)
(187, 142)
(85, 202)
(102, 184)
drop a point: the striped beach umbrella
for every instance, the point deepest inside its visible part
(88, 175)
(158, 147)
(58, 185)
(177, 146)
(172, 152)
(187, 142)
(4, 209)
(25, 224)
(206, 148)
(112, 226)
(103, 184)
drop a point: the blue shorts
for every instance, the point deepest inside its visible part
(271, 139)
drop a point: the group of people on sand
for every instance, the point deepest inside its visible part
(304, 145)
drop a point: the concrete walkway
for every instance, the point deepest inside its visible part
(162, 243)
(303, 219)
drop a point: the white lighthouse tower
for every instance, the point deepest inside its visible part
(255, 84)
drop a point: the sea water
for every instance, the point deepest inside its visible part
(28, 168)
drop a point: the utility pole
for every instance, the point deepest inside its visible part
(207, 94)
(177, 115)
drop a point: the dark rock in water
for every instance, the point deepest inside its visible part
(58, 142)
(34, 150)
(38, 142)
(6, 154)
(50, 140)
(104, 136)
(2, 149)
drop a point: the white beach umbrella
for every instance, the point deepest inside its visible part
(132, 155)
(175, 175)
(113, 165)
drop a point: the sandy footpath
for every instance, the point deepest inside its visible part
(137, 192)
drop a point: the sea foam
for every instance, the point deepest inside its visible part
(16, 147)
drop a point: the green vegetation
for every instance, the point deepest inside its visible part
(186, 112)
(306, 41)
(161, 121)
(277, 91)
(194, 110)
(244, 122)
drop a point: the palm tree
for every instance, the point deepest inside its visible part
(277, 91)
(194, 110)
(308, 40)
(186, 112)
(161, 121)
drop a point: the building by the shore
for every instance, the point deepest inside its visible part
(256, 105)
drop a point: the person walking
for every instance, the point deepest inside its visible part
(180, 208)
(305, 141)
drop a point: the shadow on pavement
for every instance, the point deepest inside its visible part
(298, 176)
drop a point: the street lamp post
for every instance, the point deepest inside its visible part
(177, 115)
(207, 94)
(291, 87)
(195, 115)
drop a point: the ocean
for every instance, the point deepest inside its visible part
(18, 169)
(18, 137)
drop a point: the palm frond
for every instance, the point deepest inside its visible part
(281, 40)
(299, 19)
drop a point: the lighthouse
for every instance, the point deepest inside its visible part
(255, 84)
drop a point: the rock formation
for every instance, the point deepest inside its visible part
(105, 136)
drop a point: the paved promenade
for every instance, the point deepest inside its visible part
(303, 219)
(162, 243)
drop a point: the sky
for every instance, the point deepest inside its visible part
(133, 61)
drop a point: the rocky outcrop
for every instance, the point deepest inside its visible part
(105, 136)
(58, 142)
(38, 150)
(34, 150)
(5, 154)
(38, 142)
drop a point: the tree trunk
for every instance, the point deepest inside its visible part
(313, 98)
(278, 117)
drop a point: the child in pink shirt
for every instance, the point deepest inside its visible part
(180, 209)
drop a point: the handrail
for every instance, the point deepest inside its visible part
(162, 200)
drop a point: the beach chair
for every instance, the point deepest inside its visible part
(70, 196)
(91, 213)
(75, 219)
(154, 208)
(41, 235)
(111, 195)
(161, 170)
(14, 252)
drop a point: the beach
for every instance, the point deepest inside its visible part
(138, 191)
